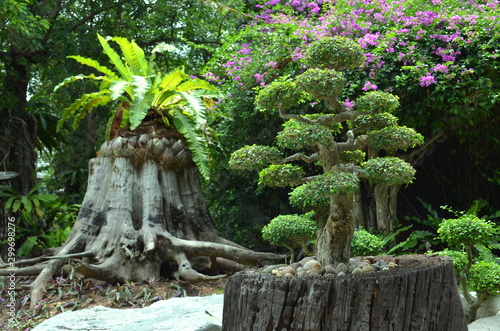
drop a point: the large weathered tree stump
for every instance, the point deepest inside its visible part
(419, 294)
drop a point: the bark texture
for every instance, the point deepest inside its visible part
(143, 208)
(420, 294)
(334, 240)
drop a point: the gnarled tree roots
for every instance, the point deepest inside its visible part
(143, 209)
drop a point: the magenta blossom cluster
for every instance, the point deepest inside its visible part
(425, 43)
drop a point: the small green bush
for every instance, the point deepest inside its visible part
(291, 231)
(467, 229)
(364, 243)
(485, 277)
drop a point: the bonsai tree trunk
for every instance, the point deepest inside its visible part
(334, 240)
(144, 207)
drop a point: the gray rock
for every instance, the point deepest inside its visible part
(382, 264)
(176, 314)
(488, 308)
(485, 324)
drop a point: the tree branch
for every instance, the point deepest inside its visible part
(351, 144)
(325, 120)
(93, 14)
(416, 155)
(302, 157)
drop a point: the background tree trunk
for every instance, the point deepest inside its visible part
(386, 201)
(420, 294)
(143, 208)
(17, 134)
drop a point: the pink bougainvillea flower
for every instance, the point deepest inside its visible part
(369, 86)
(427, 80)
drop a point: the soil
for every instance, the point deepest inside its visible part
(66, 295)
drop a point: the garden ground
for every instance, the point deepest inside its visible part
(65, 295)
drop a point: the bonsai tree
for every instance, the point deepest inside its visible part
(349, 143)
(463, 233)
(291, 231)
(144, 207)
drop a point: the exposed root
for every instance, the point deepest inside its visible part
(141, 211)
(204, 248)
(25, 271)
(38, 288)
(187, 273)
(44, 258)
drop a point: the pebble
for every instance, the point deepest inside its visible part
(309, 267)
(341, 267)
(368, 268)
(270, 268)
(356, 271)
(313, 264)
(306, 259)
(288, 270)
(330, 270)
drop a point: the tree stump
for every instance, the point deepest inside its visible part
(419, 294)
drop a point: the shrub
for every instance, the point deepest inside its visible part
(467, 229)
(364, 243)
(290, 231)
(485, 277)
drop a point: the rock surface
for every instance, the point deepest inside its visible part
(489, 308)
(486, 324)
(176, 314)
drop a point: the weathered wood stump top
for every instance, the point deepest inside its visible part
(420, 294)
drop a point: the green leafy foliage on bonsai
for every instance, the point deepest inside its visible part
(326, 185)
(459, 259)
(254, 157)
(377, 101)
(367, 123)
(280, 93)
(485, 277)
(356, 157)
(364, 243)
(281, 175)
(467, 230)
(394, 138)
(389, 170)
(291, 231)
(297, 135)
(321, 83)
(335, 53)
(304, 198)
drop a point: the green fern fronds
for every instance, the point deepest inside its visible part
(196, 139)
(115, 59)
(134, 56)
(94, 64)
